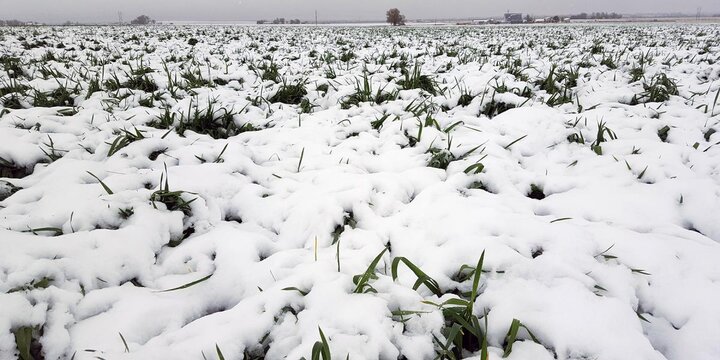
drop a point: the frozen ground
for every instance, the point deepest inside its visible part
(207, 192)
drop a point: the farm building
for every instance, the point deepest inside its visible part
(513, 18)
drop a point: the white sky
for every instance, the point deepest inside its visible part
(56, 11)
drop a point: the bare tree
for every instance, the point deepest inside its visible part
(394, 17)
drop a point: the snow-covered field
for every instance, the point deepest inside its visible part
(287, 192)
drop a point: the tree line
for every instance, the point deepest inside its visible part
(12, 23)
(596, 15)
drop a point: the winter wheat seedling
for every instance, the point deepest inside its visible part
(422, 278)
(361, 281)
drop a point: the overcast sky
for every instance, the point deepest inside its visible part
(227, 10)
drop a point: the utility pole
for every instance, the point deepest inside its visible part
(316, 18)
(120, 19)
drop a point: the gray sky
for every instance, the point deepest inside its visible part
(104, 10)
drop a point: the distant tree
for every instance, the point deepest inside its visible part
(12, 23)
(529, 19)
(142, 20)
(394, 17)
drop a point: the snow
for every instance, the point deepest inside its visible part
(616, 260)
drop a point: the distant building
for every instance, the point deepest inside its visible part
(513, 18)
